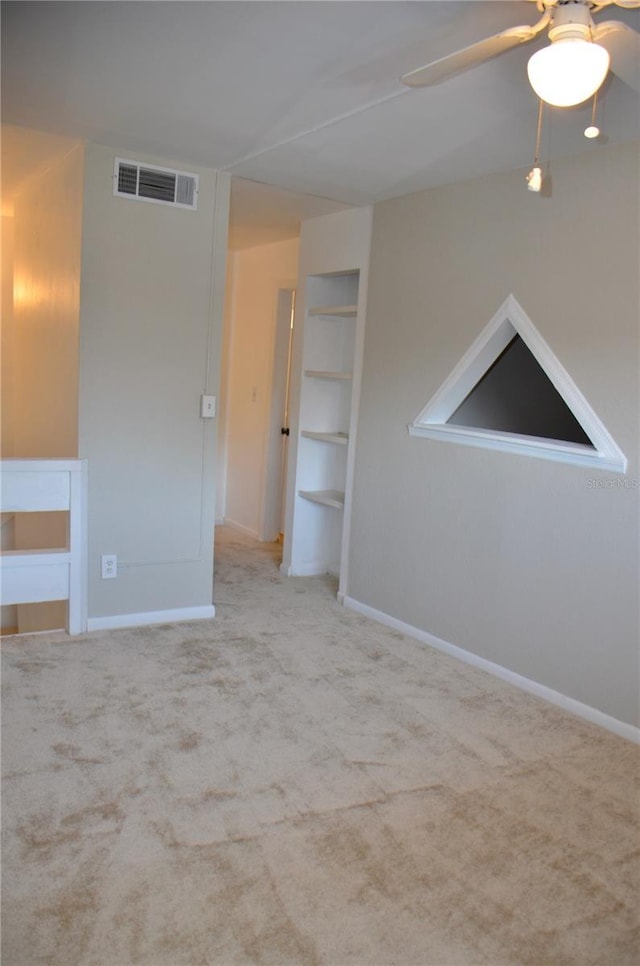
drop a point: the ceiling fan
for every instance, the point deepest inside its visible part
(567, 72)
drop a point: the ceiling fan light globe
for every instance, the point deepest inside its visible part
(568, 71)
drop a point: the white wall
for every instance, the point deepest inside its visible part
(222, 401)
(529, 564)
(151, 326)
(258, 274)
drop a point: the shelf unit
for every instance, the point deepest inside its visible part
(326, 367)
(328, 355)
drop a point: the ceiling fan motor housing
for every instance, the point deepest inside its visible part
(571, 21)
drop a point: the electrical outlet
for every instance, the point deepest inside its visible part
(109, 566)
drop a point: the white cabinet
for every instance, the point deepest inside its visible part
(327, 361)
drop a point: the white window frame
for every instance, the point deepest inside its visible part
(511, 320)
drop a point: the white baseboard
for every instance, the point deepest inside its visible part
(174, 616)
(308, 570)
(240, 527)
(628, 731)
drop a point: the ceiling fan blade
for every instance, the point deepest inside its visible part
(623, 44)
(599, 5)
(446, 67)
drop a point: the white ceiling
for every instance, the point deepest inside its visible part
(304, 96)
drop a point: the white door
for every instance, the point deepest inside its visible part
(273, 506)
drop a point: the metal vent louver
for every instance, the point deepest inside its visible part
(159, 185)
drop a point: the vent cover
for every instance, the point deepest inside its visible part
(163, 186)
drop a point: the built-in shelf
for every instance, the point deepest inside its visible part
(335, 311)
(333, 498)
(327, 374)
(341, 438)
(328, 344)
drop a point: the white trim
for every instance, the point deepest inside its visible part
(576, 453)
(621, 728)
(46, 465)
(240, 527)
(317, 569)
(46, 575)
(78, 566)
(32, 576)
(356, 393)
(174, 616)
(511, 320)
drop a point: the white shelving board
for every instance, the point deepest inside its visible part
(335, 311)
(327, 374)
(340, 438)
(332, 498)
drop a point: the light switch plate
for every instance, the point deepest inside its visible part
(207, 407)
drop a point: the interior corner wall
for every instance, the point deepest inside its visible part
(151, 324)
(7, 329)
(529, 564)
(258, 275)
(46, 310)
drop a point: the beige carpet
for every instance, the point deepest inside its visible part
(293, 784)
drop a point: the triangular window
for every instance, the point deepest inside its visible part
(510, 392)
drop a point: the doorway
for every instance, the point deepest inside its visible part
(254, 390)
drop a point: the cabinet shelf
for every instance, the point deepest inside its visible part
(340, 438)
(335, 311)
(327, 374)
(332, 498)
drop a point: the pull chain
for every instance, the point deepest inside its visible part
(534, 178)
(593, 130)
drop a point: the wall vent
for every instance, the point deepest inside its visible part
(509, 392)
(147, 182)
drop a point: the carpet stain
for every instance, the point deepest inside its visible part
(40, 835)
(189, 741)
(33, 666)
(279, 942)
(73, 753)
(103, 817)
(217, 795)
